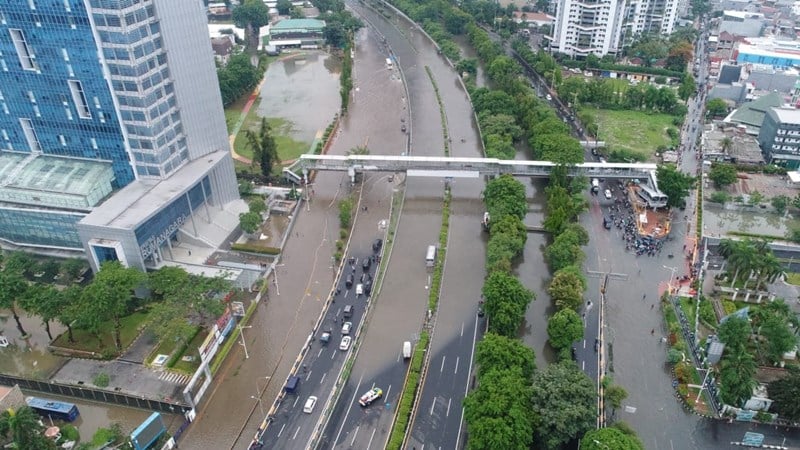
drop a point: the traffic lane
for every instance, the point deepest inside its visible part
(462, 282)
(397, 316)
(321, 362)
(438, 419)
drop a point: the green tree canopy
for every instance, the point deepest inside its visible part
(734, 332)
(785, 392)
(566, 290)
(610, 438)
(251, 15)
(496, 352)
(716, 107)
(506, 301)
(675, 184)
(13, 287)
(564, 251)
(249, 222)
(505, 195)
(284, 7)
(263, 146)
(565, 399)
(498, 412)
(563, 328)
(22, 426)
(723, 174)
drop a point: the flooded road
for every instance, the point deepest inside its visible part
(719, 220)
(28, 357)
(304, 90)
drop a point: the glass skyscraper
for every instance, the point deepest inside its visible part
(112, 134)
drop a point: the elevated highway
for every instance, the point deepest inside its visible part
(446, 167)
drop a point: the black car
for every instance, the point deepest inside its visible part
(376, 245)
(366, 264)
(368, 286)
(348, 282)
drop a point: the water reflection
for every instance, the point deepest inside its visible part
(719, 221)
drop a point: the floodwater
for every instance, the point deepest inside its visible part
(535, 275)
(719, 220)
(27, 357)
(94, 416)
(304, 90)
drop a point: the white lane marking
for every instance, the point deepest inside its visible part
(389, 389)
(457, 360)
(354, 435)
(370, 438)
(352, 401)
(462, 329)
(432, 405)
(295, 433)
(441, 369)
(281, 431)
(449, 401)
(321, 380)
(469, 376)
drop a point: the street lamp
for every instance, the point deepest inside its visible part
(672, 275)
(260, 406)
(241, 336)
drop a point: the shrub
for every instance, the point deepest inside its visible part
(345, 212)
(719, 197)
(101, 380)
(255, 248)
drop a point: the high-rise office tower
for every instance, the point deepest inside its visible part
(112, 135)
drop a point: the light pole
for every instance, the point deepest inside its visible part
(260, 406)
(241, 336)
(672, 275)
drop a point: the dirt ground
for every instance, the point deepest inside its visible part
(768, 185)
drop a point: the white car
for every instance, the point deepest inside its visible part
(370, 396)
(346, 328)
(345, 344)
(308, 408)
(607, 193)
(548, 97)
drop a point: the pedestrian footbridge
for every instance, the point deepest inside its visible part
(444, 167)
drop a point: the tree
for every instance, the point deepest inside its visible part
(687, 87)
(679, 56)
(44, 301)
(335, 34)
(566, 290)
(499, 413)
(734, 332)
(723, 174)
(71, 269)
(263, 146)
(780, 203)
(505, 195)
(780, 338)
(284, 7)
(22, 426)
(496, 352)
(563, 328)
(674, 184)
(249, 222)
(785, 392)
(108, 298)
(564, 251)
(615, 394)
(716, 107)
(468, 65)
(610, 438)
(737, 255)
(737, 375)
(566, 400)
(13, 287)
(251, 15)
(506, 300)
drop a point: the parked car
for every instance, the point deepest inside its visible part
(370, 396)
(308, 408)
(345, 344)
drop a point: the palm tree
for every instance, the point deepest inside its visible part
(359, 150)
(23, 426)
(738, 255)
(737, 372)
(769, 268)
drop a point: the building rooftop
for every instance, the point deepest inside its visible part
(298, 24)
(752, 113)
(787, 115)
(47, 180)
(743, 148)
(140, 200)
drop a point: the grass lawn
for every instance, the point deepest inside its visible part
(288, 148)
(793, 278)
(87, 342)
(191, 350)
(633, 130)
(689, 307)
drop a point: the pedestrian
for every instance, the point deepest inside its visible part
(644, 296)
(653, 331)
(652, 306)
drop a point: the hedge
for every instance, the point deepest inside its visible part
(255, 248)
(409, 393)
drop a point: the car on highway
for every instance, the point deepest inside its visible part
(366, 263)
(348, 282)
(376, 245)
(346, 328)
(325, 337)
(308, 408)
(607, 193)
(345, 344)
(370, 396)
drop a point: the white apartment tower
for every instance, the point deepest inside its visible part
(586, 27)
(597, 27)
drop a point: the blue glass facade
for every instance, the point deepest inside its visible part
(40, 227)
(104, 254)
(53, 91)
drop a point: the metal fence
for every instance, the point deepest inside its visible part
(96, 395)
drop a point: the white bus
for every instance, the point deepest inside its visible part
(430, 257)
(389, 63)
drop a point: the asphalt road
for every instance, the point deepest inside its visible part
(291, 427)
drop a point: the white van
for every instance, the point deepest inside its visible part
(406, 350)
(308, 408)
(389, 63)
(359, 289)
(595, 185)
(430, 257)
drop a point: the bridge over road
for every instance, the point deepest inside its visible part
(444, 167)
